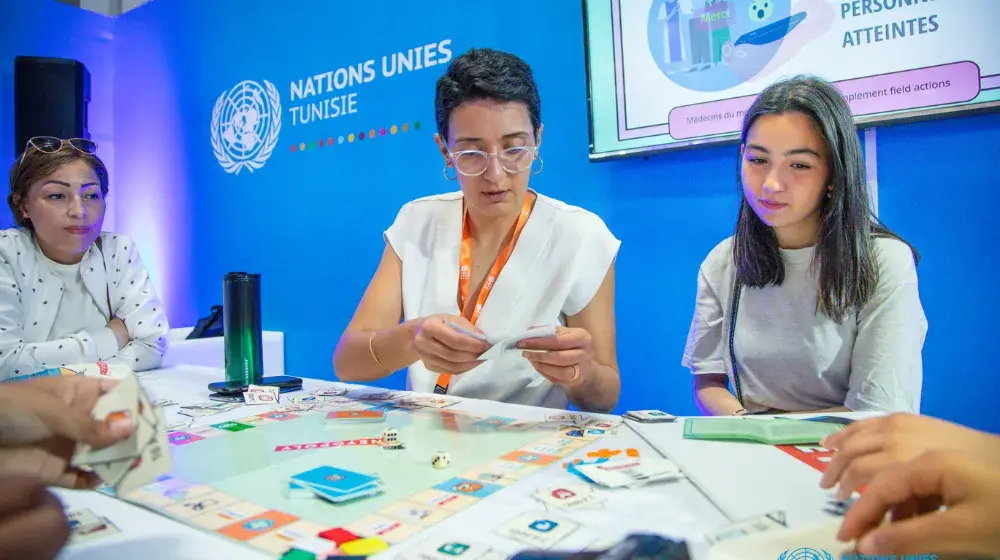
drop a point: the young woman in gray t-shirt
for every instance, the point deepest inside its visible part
(827, 312)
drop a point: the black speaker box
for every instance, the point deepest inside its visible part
(50, 99)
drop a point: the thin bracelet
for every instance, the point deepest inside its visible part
(374, 357)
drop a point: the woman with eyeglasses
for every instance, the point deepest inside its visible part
(491, 260)
(70, 293)
(813, 304)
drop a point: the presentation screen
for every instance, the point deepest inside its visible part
(667, 74)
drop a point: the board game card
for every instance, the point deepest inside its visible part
(651, 416)
(630, 472)
(81, 518)
(770, 431)
(121, 402)
(368, 395)
(429, 401)
(568, 496)
(92, 531)
(565, 417)
(537, 529)
(340, 481)
(153, 461)
(330, 392)
(508, 344)
(297, 490)
(257, 395)
(339, 497)
(449, 549)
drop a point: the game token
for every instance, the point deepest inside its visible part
(364, 547)
(390, 439)
(339, 535)
(440, 460)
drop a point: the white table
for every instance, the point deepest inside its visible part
(746, 480)
(678, 509)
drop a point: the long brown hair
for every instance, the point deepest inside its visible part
(36, 165)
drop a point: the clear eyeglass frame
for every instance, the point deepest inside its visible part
(518, 160)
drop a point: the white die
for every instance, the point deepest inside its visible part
(440, 460)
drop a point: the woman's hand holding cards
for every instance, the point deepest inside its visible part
(43, 420)
(446, 349)
(564, 359)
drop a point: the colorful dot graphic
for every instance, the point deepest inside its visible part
(370, 134)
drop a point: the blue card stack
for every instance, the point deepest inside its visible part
(336, 485)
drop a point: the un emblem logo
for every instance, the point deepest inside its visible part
(245, 125)
(805, 554)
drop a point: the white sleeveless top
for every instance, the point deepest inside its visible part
(560, 260)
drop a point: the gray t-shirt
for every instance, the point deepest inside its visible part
(792, 357)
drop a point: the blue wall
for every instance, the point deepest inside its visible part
(311, 221)
(49, 29)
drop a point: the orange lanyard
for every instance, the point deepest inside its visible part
(465, 272)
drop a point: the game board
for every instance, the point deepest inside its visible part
(232, 478)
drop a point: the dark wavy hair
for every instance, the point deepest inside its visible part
(486, 74)
(848, 267)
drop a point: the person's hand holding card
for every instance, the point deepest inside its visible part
(449, 344)
(563, 359)
(43, 420)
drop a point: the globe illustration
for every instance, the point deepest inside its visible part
(805, 554)
(245, 120)
(712, 45)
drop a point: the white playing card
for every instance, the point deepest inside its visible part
(467, 332)
(120, 402)
(564, 417)
(257, 397)
(178, 425)
(630, 472)
(153, 462)
(81, 518)
(330, 392)
(504, 345)
(102, 528)
(650, 416)
(197, 412)
(540, 529)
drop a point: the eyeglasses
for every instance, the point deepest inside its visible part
(51, 145)
(474, 162)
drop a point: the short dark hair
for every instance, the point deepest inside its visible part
(35, 165)
(848, 269)
(486, 74)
